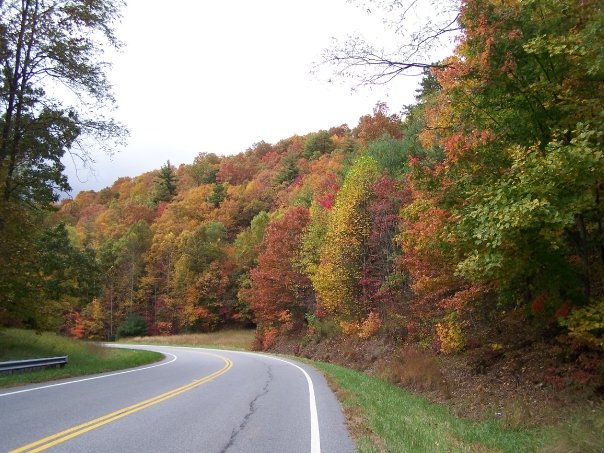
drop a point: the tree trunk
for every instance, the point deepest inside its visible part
(584, 253)
(13, 84)
(17, 128)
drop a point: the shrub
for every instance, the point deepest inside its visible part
(322, 327)
(587, 324)
(364, 329)
(164, 328)
(370, 326)
(134, 325)
(450, 336)
(286, 321)
(269, 338)
(350, 328)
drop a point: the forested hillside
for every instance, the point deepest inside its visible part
(476, 210)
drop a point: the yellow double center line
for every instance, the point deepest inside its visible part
(70, 433)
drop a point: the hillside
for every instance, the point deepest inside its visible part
(456, 248)
(317, 241)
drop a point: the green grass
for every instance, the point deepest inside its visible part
(395, 420)
(84, 358)
(223, 339)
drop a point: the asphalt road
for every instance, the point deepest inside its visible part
(195, 400)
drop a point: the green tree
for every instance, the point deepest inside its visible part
(390, 154)
(51, 277)
(218, 194)
(312, 240)
(199, 249)
(516, 196)
(134, 325)
(47, 46)
(317, 144)
(289, 169)
(247, 242)
(204, 168)
(528, 184)
(165, 184)
(44, 43)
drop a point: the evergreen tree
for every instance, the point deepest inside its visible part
(165, 184)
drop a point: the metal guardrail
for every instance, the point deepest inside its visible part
(31, 364)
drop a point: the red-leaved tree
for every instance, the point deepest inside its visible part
(278, 289)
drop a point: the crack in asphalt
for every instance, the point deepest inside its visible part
(251, 411)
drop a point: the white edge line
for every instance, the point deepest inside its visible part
(315, 435)
(92, 378)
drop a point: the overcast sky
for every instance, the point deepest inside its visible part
(220, 76)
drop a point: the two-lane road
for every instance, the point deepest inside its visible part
(195, 400)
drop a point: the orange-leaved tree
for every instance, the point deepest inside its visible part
(279, 290)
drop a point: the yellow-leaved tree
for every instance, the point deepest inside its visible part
(341, 259)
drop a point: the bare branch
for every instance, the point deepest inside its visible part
(420, 28)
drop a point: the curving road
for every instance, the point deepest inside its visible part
(195, 400)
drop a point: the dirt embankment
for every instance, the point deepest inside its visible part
(529, 377)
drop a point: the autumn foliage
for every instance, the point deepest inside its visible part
(484, 198)
(278, 288)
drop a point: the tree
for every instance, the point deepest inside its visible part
(238, 169)
(94, 318)
(543, 207)
(317, 144)
(391, 155)
(378, 125)
(47, 45)
(133, 325)
(337, 278)
(199, 292)
(218, 194)
(247, 243)
(51, 43)
(289, 169)
(51, 277)
(202, 246)
(277, 286)
(514, 201)
(382, 282)
(165, 184)
(204, 168)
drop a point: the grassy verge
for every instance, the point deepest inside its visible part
(84, 358)
(223, 339)
(386, 418)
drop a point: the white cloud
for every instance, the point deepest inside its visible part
(220, 76)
